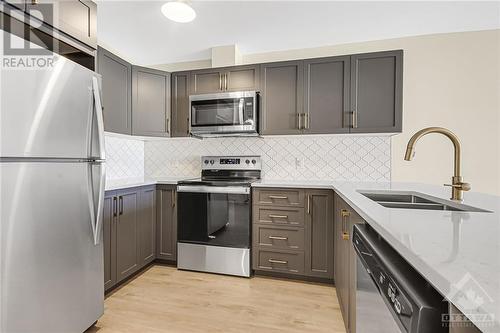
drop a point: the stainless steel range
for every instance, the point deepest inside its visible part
(214, 216)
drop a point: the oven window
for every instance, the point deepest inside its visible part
(217, 112)
(214, 219)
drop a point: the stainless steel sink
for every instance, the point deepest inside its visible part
(413, 200)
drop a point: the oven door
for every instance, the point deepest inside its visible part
(232, 112)
(214, 215)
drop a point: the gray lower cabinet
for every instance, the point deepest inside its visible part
(116, 92)
(150, 102)
(345, 260)
(292, 232)
(127, 242)
(147, 225)
(319, 234)
(166, 223)
(109, 241)
(77, 18)
(180, 104)
(377, 92)
(282, 97)
(326, 95)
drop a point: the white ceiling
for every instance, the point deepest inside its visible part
(139, 31)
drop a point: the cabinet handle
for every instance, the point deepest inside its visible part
(345, 215)
(168, 125)
(299, 117)
(278, 238)
(220, 81)
(354, 119)
(173, 198)
(278, 197)
(225, 81)
(274, 261)
(278, 216)
(120, 199)
(308, 204)
(114, 207)
(34, 2)
(306, 121)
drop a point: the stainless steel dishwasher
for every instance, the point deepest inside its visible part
(391, 296)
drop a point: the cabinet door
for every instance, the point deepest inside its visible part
(147, 226)
(150, 102)
(109, 241)
(326, 95)
(166, 234)
(376, 92)
(341, 262)
(242, 78)
(77, 18)
(180, 104)
(206, 81)
(116, 92)
(319, 233)
(21, 4)
(282, 89)
(127, 246)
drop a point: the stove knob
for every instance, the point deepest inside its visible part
(397, 306)
(247, 161)
(254, 161)
(205, 161)
(212, 161)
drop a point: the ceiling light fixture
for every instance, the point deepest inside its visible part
(178, 11)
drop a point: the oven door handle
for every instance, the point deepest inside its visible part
(213, 189)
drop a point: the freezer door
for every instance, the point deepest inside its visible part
(49, 112)
(51, 269)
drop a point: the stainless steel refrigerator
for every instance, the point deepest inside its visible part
(52, 176)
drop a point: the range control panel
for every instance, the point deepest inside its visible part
(250, 162)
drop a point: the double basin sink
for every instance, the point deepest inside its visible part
(415, 200)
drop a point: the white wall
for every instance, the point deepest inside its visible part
(450, 80)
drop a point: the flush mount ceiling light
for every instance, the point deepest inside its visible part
(178, 11)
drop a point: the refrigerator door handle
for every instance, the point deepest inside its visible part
(90, 196)
(100, 205)
(99, 117)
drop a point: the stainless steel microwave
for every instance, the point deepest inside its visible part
(224, 114)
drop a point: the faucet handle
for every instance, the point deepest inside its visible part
(462, 186)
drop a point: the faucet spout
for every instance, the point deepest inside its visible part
(457, 185)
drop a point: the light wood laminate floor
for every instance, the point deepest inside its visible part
(164, 299)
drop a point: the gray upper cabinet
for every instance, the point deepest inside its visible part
(377, 92)
(166, 223)
(127, 249)
(116, 92)
(77, 18)
(150, 102)
(180, 104)
(147, 225)
(242, 78)
(206, 81)
(282, 104)
(326, 95)
(319, 234)
(21, 4)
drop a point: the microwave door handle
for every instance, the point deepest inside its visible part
(240, 111)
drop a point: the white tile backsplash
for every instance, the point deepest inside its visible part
(124, 157)
(336, 157)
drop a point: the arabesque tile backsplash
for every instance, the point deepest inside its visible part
(336, 157)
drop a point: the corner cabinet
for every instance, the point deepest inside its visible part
(166, 223)
(377, 92)
(281, 97)
(345, 261)
(150, 102)
(116, 92)
(180, 104)
(293, 232)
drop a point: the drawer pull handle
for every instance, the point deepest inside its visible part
(278, 238)
(274, 261)
(278, 216)
(278, 197)
(345, 236)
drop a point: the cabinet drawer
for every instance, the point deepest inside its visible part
(286, 262)
(280, 197)
(279, 216)
(278, 238)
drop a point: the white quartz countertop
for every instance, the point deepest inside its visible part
(457, 252)
(117, 184)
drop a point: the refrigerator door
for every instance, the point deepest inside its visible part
(51, 269)
(50, 112)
